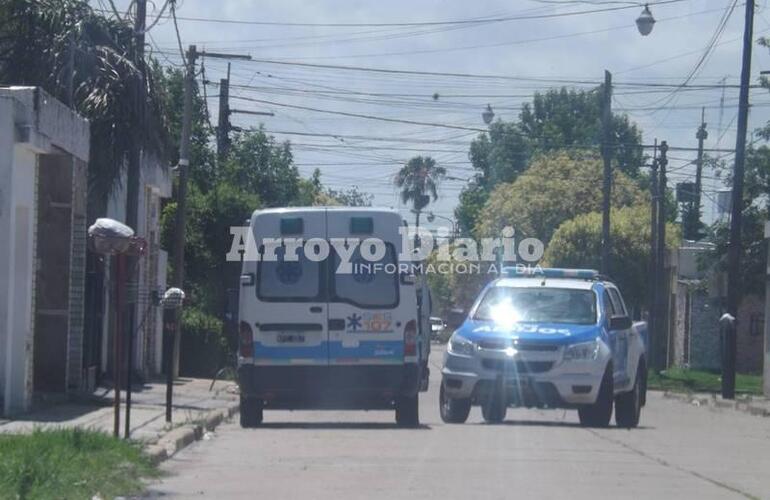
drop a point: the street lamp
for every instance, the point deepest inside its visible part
(488, 115)
(645, 21)
(432, 216)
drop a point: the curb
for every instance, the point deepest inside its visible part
(744, 405)
(181, 437)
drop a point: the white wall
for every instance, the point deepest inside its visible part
(18, 167)
(20, 342)
(6, 170)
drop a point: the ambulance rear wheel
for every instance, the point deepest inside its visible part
(250, 412)
(407, 411)
(453, 411)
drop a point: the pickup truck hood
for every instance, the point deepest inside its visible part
(541, 333)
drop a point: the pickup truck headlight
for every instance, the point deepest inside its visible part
(461, 345)
(584, 351)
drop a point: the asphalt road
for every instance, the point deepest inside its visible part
(679, 451)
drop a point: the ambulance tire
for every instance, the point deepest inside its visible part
(453, 411)
(628, 406)
(408, 411)
(599, 413)
(250, 412)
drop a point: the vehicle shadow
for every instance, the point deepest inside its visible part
(557, 423)
(339, 426)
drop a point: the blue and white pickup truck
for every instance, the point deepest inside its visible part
(555, 338)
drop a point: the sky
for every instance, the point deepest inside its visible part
(497, 52)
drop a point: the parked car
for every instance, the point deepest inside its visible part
(556, 338)
(437, 325)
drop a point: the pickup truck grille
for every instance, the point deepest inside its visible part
(504, 344)
(518, 366)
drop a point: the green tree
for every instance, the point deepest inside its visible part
(418, 181)
(756, 211)
(313, 193)
(577, 244)
(351, 197)
(262, 166)
(565, 118)
(557, 119)
(36, 41)
(557, 187)
(208, 275)
(202, 158)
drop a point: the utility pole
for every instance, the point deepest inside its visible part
(223, 125)
(661, 310)
(175, 324)
(653, 252)
(607, 185)
(736, 218)
(181, 219)
(766, 367)
(132, 196)
(701, 135)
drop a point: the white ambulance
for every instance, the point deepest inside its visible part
(315, 334)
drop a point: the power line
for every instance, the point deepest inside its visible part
(358, 115)
(465, 47)
(483, 76)
(481, 21)
(176, 30)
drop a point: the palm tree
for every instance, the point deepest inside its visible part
(418, 180)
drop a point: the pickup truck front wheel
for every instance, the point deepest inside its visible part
(453, 411)
(599, 413)
(495, 404)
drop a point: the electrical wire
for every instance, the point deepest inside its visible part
(422, 23)
(176, 30)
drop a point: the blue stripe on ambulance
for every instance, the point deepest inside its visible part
(367, 351)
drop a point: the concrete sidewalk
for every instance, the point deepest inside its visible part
(754, 405)
(192, 404)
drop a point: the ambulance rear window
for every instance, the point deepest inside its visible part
(371, 284)
(285, 280)
(361, 225)
(291, 225)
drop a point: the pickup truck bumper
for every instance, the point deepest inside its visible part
(539, 379)
(365, 387)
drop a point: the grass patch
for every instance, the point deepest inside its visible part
(70, 464)
(686, 380)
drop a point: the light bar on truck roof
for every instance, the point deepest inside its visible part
(549, 272)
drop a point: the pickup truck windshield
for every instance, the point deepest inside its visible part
(537, 305)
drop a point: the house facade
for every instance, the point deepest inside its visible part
(44, 150)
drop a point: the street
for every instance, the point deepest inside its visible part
(679, 451)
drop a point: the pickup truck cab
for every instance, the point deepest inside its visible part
(549, 338)
(314, 337)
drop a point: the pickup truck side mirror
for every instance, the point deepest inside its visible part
(620, 323)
